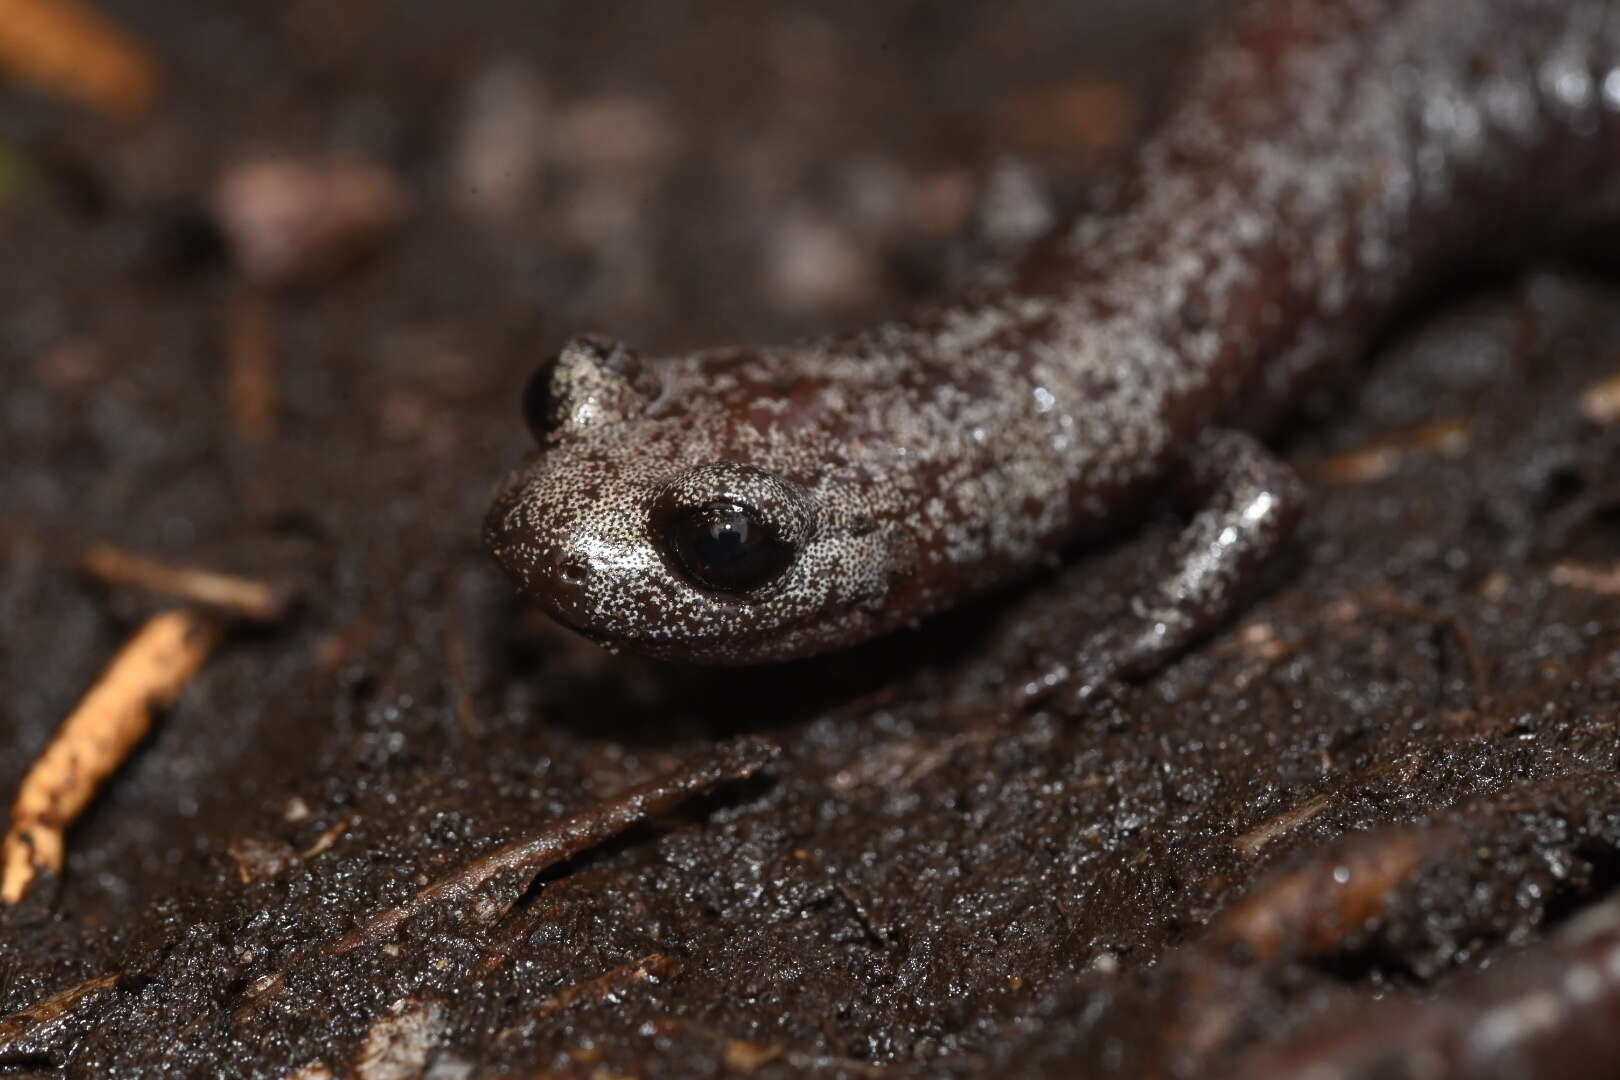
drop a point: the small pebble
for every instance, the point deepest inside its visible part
(302, 220)
(499, 153)
(813, 266)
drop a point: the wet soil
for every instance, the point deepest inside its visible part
(917, 884)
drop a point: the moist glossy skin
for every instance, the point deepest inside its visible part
(1330, 156)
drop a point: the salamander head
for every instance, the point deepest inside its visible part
(678, 531)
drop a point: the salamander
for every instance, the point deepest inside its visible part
(1329, 159)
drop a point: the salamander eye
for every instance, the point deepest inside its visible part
(594, 380)
(727, 547)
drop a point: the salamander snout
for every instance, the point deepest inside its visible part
(626, 550)
(663, 512)
(586, 569)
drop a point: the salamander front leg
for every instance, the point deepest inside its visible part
(1248, 505)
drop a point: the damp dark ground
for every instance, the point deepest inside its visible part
(918, 885)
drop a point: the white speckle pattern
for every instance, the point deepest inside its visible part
(1329, 155)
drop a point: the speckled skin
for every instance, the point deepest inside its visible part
(1330, 156)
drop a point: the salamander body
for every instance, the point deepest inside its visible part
(1330, 157)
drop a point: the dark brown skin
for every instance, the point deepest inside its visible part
(1332, 156)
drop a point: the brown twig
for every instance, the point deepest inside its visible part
(1316, 907)
(901, 764)
(1381, 457)
(455, 662)
(564, 839)
(331, 836)
(1478, 670)
(1603, 580)
(146, 675)
(54, 1008)
(1547, 1012)
(656, 965)
(510, 936)
(259, 993)
(246, 597)
(1257, 839)
(1300, 914)
(745, 1056)
(250, 358)
(1096, 115)
(70, 49)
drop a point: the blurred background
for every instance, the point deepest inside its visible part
(272, 278)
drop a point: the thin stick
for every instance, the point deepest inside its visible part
(1257, 839)
(455, 662)
(1316, 906)
(564, 839)
(70, 49)
(251, 599)
(515, 932)
(661, 966)
(1546, 1011)
(1303, 913)
(250, 355)
(28, 1021)
(1382, 457)
(1603, 580)
(147, 674)
(1478, 670)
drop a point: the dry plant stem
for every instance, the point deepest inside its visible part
(1381, 458)
(30, 1020)
(1478, 670)
(510, 935)
(745, 1056)
(1547, 1012)
(250, 599)
(654, 965)
(1603, 580)
(455, 662)
(1315, 907)
(146, 675)
(1253, 842)
(250, 355)
(1299, 914)
(71, 50)
(561, 840)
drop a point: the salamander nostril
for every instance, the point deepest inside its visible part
(573, 573)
